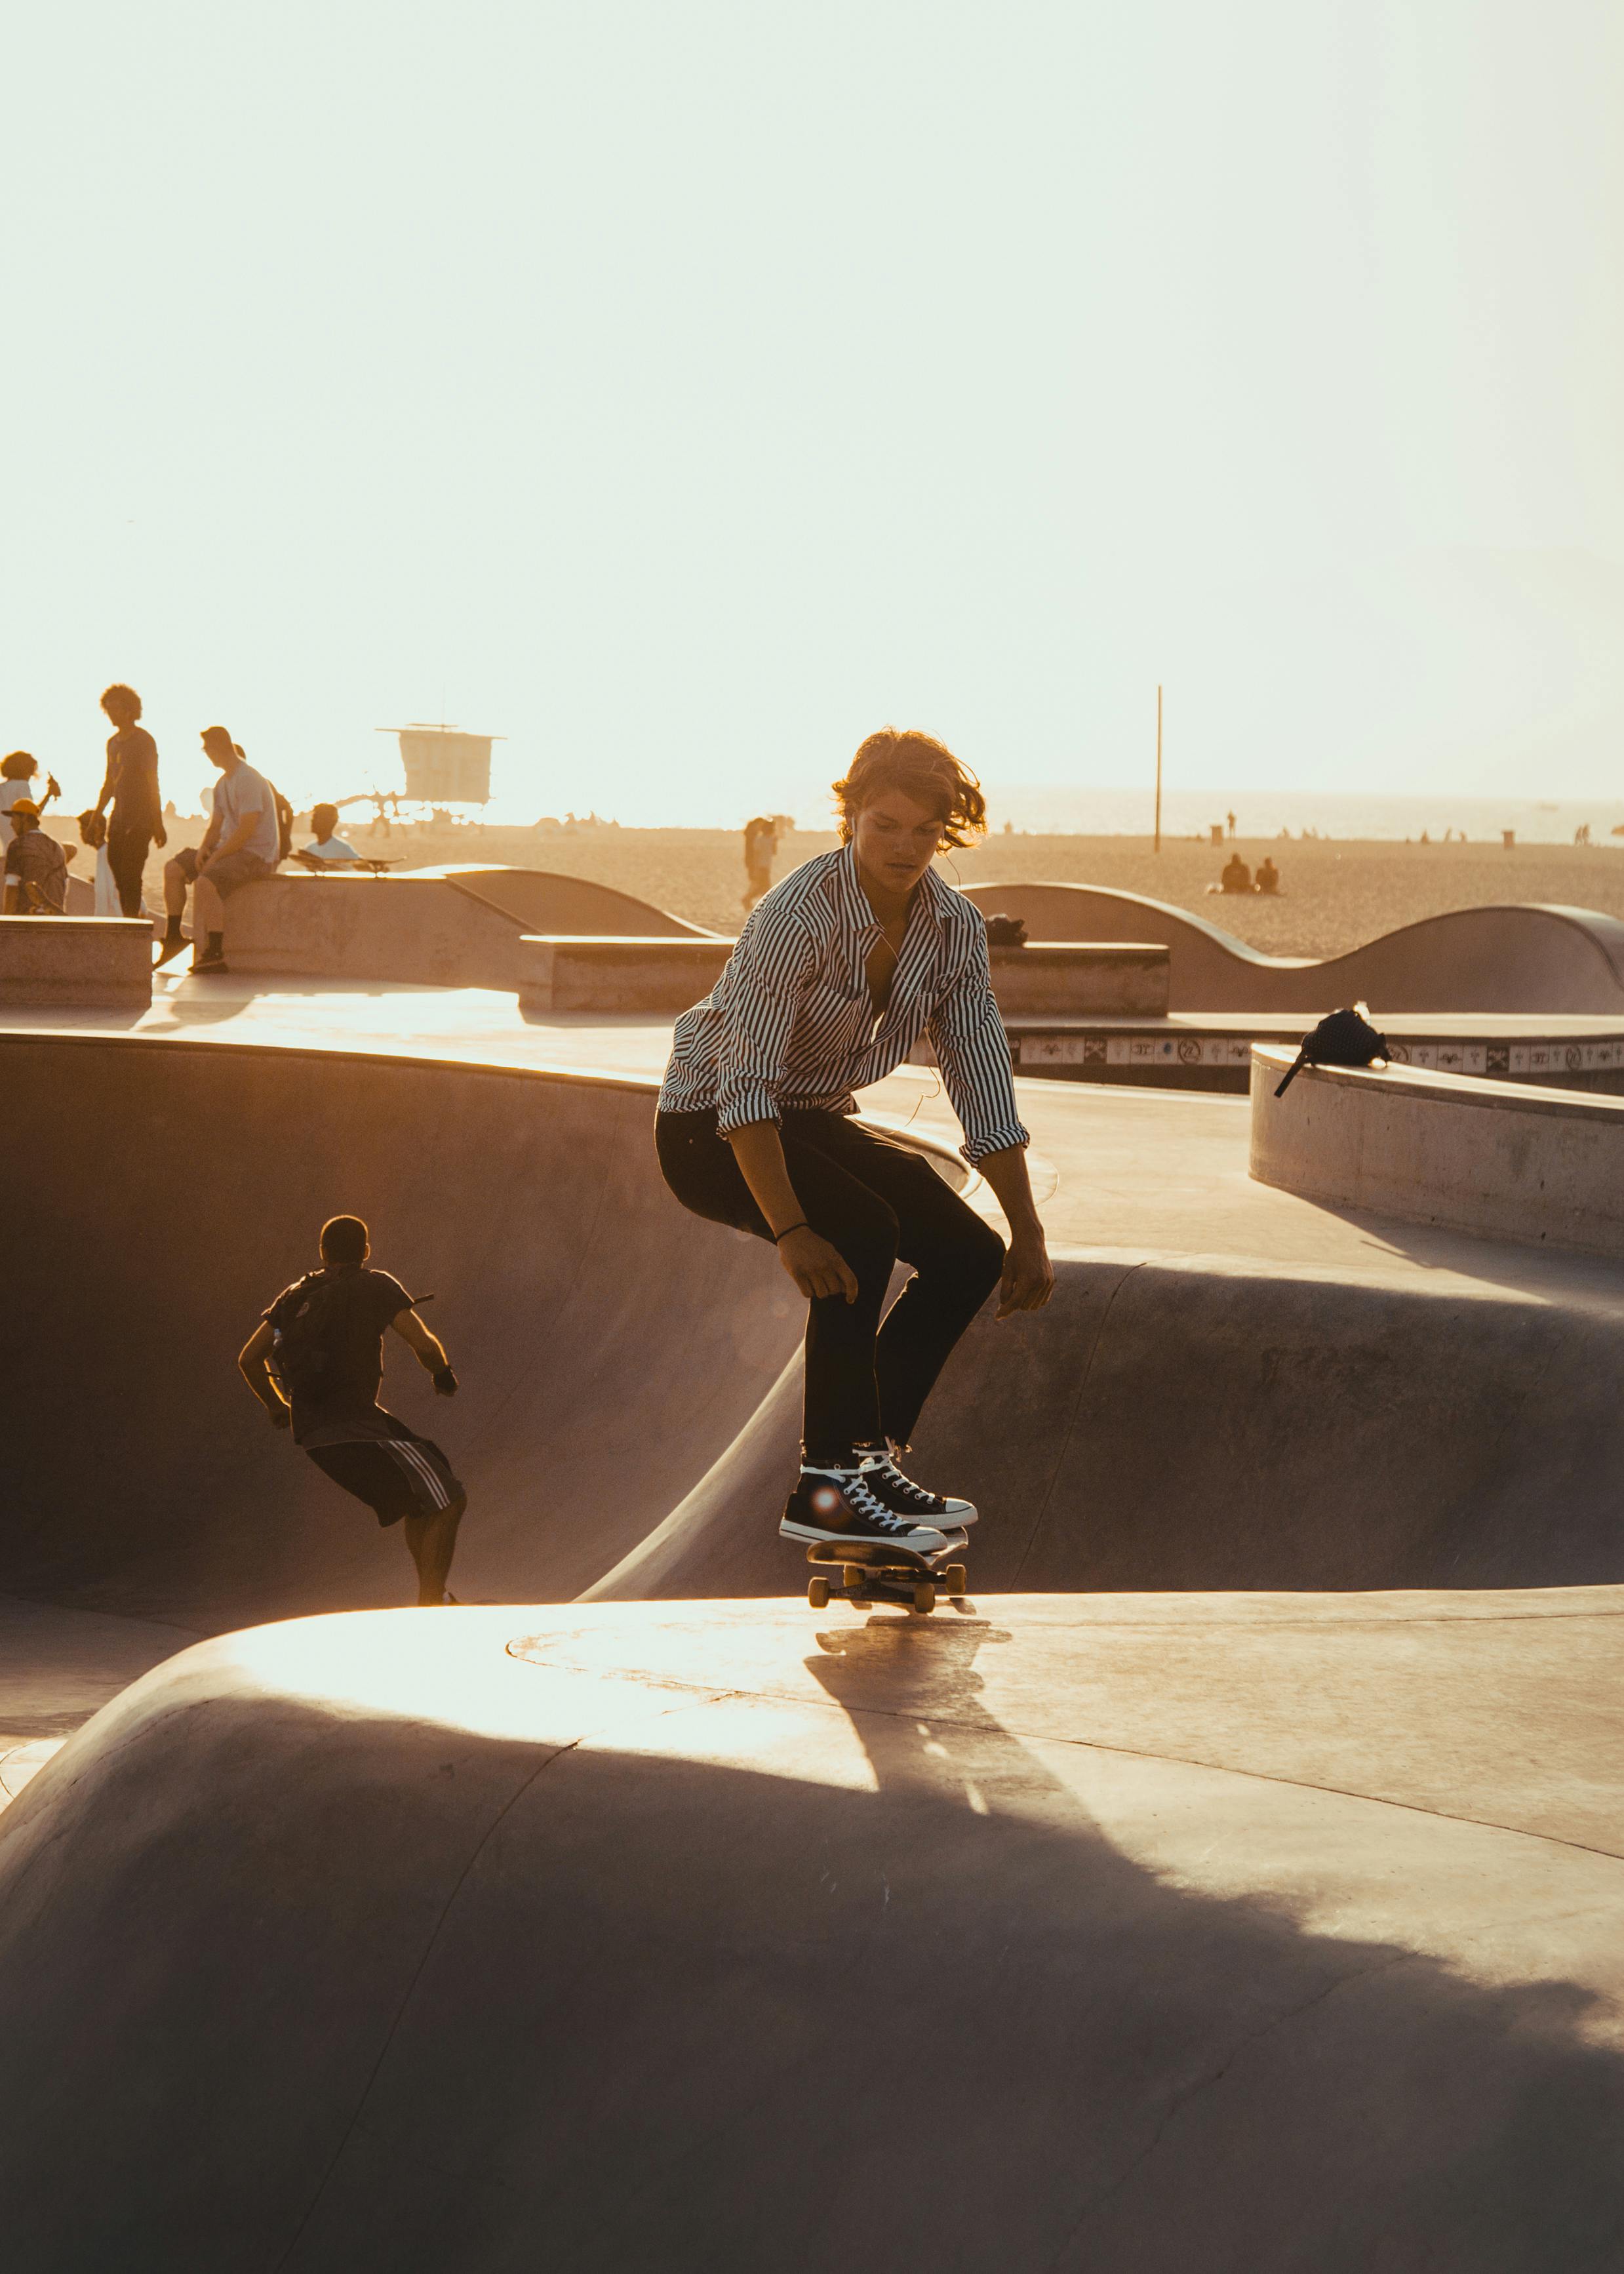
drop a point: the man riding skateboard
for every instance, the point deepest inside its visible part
(315, 1363)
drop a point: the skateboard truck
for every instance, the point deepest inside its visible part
(886, 1576)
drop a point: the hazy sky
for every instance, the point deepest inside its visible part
(682, 391)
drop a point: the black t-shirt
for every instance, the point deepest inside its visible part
(355, 1305)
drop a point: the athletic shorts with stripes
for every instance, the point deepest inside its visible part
(392, 1469)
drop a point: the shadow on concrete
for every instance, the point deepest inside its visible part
(365, 1993)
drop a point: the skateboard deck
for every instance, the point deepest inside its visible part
(885, 1575)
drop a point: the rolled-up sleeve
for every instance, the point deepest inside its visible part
(973, 1051)
(757, 1000)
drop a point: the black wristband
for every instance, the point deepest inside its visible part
(802, 1226)
(445, 1382)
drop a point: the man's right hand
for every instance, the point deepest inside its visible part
(815, 1267)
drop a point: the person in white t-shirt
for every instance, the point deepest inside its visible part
(325, 850)
(241, 844)
(93, 831)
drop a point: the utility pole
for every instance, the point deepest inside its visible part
(1158, 769)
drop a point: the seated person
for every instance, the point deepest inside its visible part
(1268, 875)
(325, 850)
(1237, 876)
(36, 866)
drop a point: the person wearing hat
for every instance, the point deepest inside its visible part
(36, 866)
(17, 774)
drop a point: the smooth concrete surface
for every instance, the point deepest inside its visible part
(428, 927)
(1515, 958)
(1517, 1163)
(1234, 1387)
(615, 975)
(1081, 978)
(1135, 1936)
(75, 962)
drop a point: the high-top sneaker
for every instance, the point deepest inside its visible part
(903, 1497)
(835, 1505)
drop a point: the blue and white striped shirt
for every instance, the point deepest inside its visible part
(790, 1023)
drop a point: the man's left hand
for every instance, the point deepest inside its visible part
(1029, 1278)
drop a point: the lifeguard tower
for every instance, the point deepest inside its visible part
(443, 765)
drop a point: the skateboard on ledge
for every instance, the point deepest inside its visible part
(871, 1574)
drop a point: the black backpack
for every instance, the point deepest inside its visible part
(1005, 931)
(300, 1357)
(1347, 1038)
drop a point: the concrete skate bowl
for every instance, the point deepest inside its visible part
(507, 1940)
(630, 1411)
(1495, 959)
(175, 1187)
(447, 926)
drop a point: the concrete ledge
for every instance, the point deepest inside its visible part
(1082, 978)
(76, 962)
(1508, 1159)
(588, 972)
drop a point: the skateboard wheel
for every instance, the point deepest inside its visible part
(955, 1581)
(924, 1596)
(818, 1593)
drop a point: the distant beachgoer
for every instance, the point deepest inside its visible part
(17, 774)
(1237, 877)
(315, 1363)
(754, 1131)
(131, 784)
(36, 866)
(240, 846)
(1268, 875)
(92, 833)
(761, 844)
(1229, 818)
(326, 849)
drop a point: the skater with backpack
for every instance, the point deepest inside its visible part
(315, 1363)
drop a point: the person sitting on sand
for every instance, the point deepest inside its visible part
(1268, 875)
(315, 1363)
(1237, 876)
(36, 866)
(326, 849)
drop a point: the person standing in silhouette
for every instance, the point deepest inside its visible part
(761, 844)
(315, 1363)
(131, 785)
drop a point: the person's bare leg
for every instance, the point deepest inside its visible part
(208, 912)
(432, 1542)
(175, 890)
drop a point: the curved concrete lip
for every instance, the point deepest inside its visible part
(1171, 1926)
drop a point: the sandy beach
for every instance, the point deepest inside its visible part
(1333, 896)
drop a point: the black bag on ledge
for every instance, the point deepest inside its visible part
(1347, 1038)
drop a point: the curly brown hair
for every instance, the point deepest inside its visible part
(909, 760)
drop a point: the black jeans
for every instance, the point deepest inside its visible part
(876, 1200)
(128, 843)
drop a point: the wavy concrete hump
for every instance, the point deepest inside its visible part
(630, 1413)
(1511, 959)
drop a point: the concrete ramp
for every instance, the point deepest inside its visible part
(1205, 1422)
(429, 927)
(1132, 1936)
(1504, 959)
(176, 1187)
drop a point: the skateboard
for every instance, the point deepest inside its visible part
(885, 1575)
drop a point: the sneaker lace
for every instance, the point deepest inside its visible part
(872, 1511)
(899, 1482)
